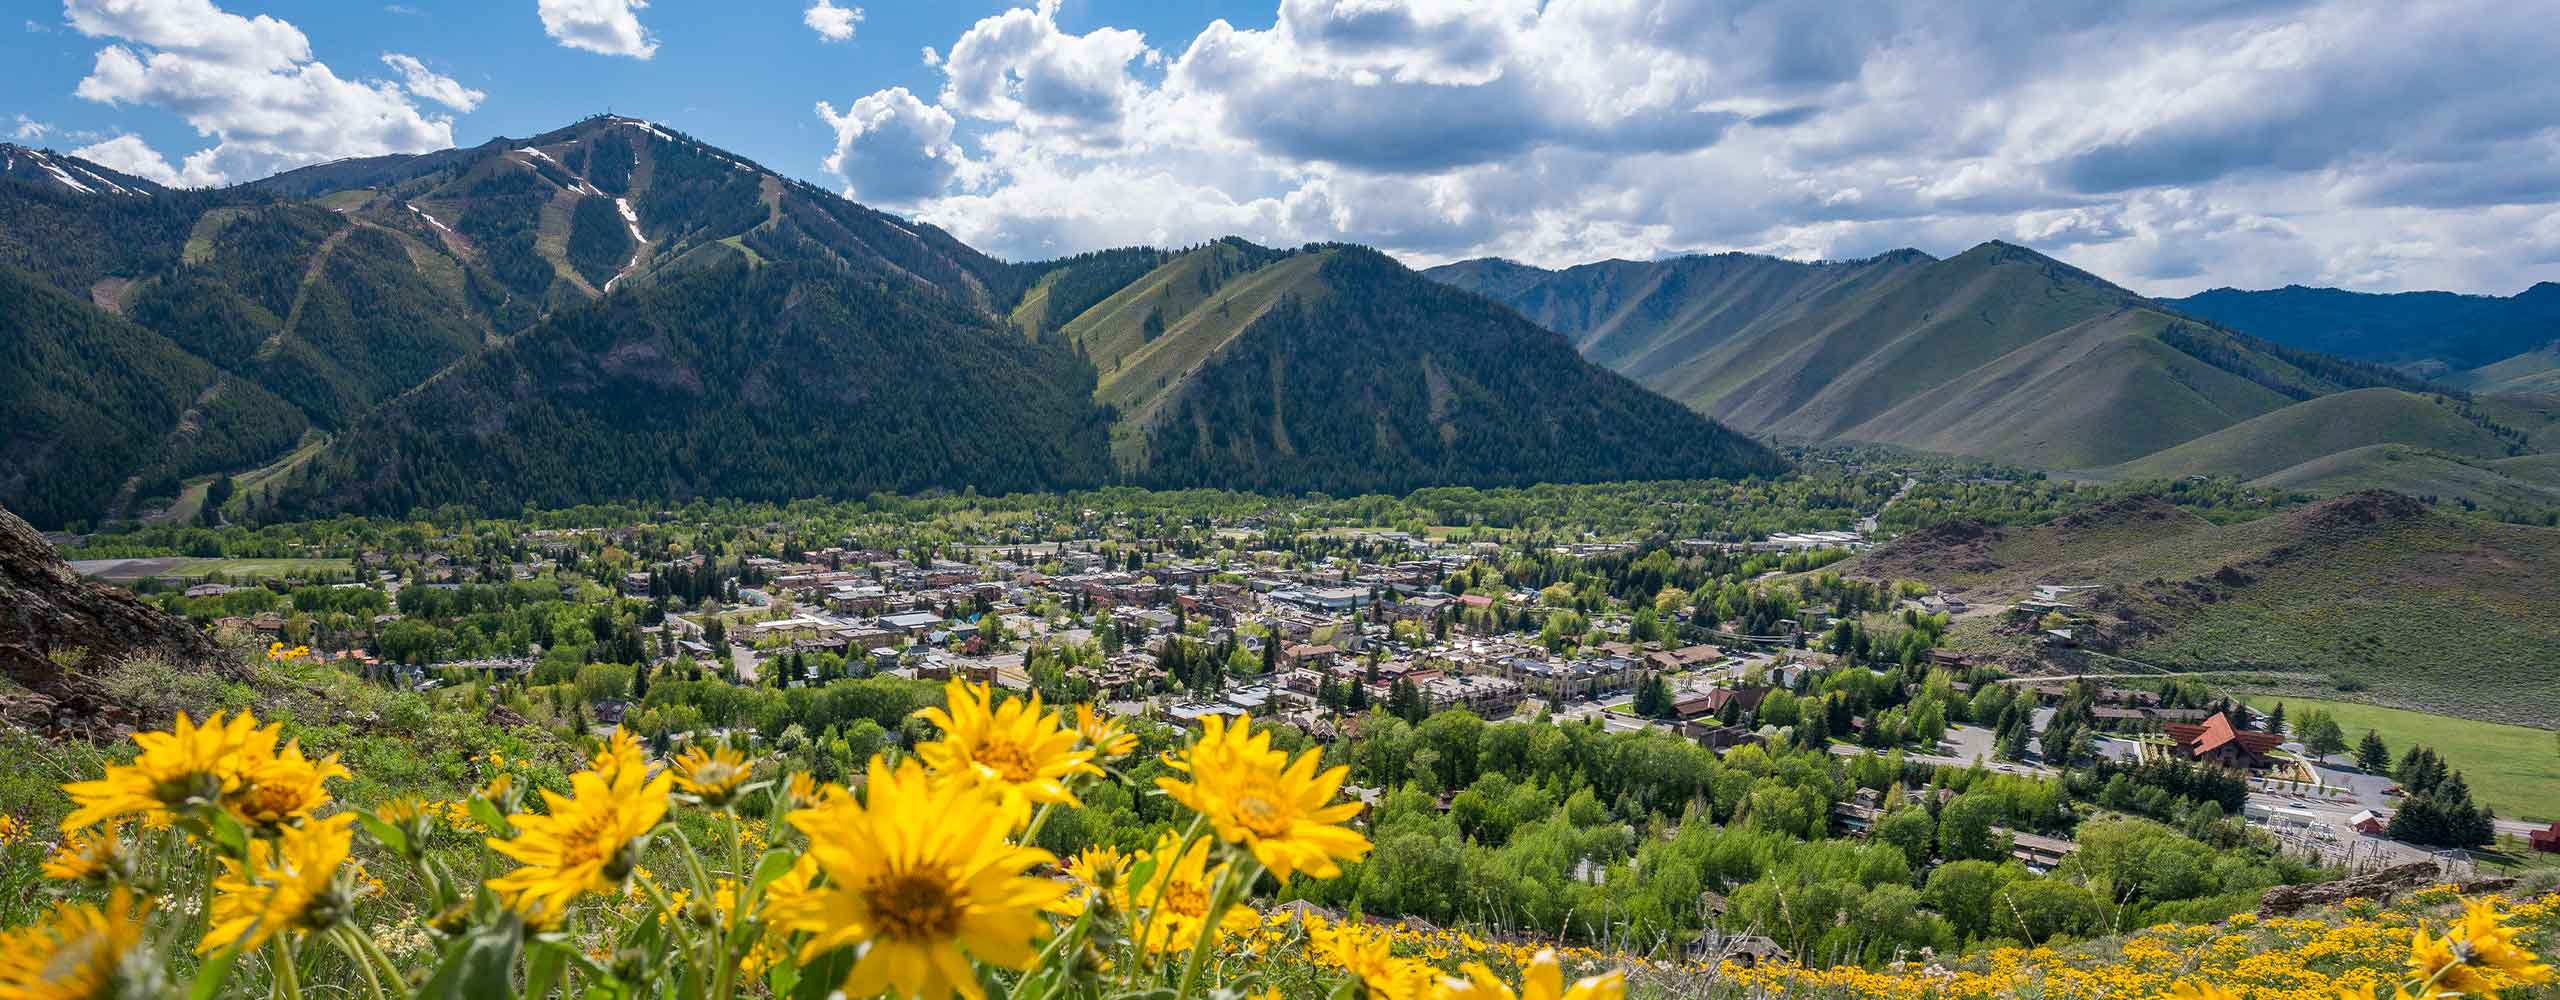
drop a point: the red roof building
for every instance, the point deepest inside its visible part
(2546, 841)
(2223, 744)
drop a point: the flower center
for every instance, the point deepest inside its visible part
(1008, 760)
(1260, 816)
(1191, 899)
(586, 843)
(914, 906)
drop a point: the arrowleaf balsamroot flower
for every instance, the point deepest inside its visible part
(278, 788)
(288, 883)
(1280, 809)
(586, 841)
(1015, 750)
(1177, 900)
(1542, 979)
(90, 855)
(922, 879)
(189, 765)
(2478, 955)
(714, 776)
(76, 953)
(1104, 735)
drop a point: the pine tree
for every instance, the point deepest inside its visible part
(2371, 756)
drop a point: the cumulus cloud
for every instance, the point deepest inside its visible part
(2169, 144)
(251, 83)
(892, 147)
(609, 27)
(832, 23)
(432, 85)
(129, 153)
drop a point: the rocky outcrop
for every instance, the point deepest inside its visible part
(2379, 886)
(58, 632)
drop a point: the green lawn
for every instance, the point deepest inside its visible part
(259, 567)
(2513, 769)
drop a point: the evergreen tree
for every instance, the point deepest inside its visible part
(2371, 756)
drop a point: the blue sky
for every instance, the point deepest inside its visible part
(2171, 145)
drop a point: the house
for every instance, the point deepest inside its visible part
(1684, 658)
(913, 624)
(2546, 841)
(2223, 744)
(1746, 700)
(2369, 823)
(2040, 853)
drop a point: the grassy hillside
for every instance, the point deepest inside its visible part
(2534, 372)
(2316, 428)
(1361, 376)
(2445, 477)
(2373, 591)
(773, 382)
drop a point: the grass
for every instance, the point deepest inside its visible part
(122, 570)
(2327, 425)
(2513, 769)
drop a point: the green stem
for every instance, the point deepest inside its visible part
(287, 983)
(724, 983)
(1222, 897)
(339, 936)
(1031, 834)
(1163, 880)
(373, 952)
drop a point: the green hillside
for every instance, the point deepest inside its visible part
(2437, 331)
(2445, 477)
(2373, 591)
(2324, 426)
(2533, 372)
(1337, 369)
(96, 412)
(771, 383)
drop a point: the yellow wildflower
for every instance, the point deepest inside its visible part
(1104, 734)
(587, 841)
(1023, 755)
(922, 879)
(279, 788)
(1280, 809)
(1176, 898)
(75, 953)
(1541, 979)
(714, 777)
(188, 766)
(90, 855)
(289, 883)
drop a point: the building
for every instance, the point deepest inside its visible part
(2220, 743)
(2546, 841)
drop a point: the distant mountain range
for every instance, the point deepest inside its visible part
(2007, 354)
(614, 310)
(2435, 334)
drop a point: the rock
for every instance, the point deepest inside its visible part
(2379, 886)
(49, 612)
(505, 718)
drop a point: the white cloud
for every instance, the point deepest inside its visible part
(832, 23)
(431, 85)
(130, 154)
(250, 83)
(29, 130)
(1018, 68)
(610, 27)
(2167, 144)
(892, 148)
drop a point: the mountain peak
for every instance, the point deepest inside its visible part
(65, 172)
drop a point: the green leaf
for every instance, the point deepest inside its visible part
(543, 967)
(389, 835)
(209, 977)
(775, 864)
(488, 816)
(821, 977)
(481, 965)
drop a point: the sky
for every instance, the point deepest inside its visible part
(2171, 146)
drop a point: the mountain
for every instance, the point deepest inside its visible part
(1645, 319)
(71, 174)
(758, 381)
(95, 410)
(2349, 591)
(1334, 368)
(2428, 332)
(2326, 425)
(615, 310)
(1999, 352)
